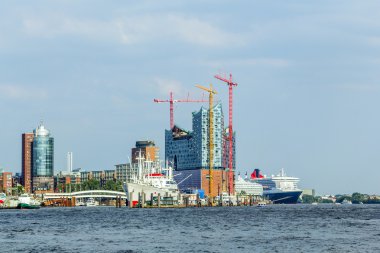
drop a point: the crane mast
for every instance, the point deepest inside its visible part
(230, 84)
(211, 92)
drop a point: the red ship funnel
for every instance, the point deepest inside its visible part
(256, 174)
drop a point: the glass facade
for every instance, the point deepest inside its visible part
(43, 153)
(189, 150)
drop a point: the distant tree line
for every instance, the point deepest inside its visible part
(308, 199)
(355, 198)
(91, 184)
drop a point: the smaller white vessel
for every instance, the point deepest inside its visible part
(91, 202)
(346, 202)
(80, 203)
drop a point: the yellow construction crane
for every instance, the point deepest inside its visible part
(211, 92)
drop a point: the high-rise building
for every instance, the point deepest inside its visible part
(26, 163)
(148, 150)
(43, 160)
(188, 152)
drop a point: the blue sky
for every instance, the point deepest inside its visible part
(308, 74)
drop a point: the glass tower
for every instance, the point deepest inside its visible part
(43, 153)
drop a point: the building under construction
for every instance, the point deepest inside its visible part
(188, 152)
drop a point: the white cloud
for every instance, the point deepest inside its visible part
(200, 32)
(135, 29)
(373, 41)
(60, 26)
(262, 62)
(361, 87)
(19, 92)
(165, 86)
(177, 27)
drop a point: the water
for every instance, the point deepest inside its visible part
(276, 228)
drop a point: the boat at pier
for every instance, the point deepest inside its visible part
(151, 179)
(91, 202)
(27, 202)
(279, 189)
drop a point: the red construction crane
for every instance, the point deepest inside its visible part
(171, 101)
(230, 84)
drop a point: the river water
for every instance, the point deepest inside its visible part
(275, 228)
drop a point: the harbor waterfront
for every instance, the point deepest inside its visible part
(273, 228)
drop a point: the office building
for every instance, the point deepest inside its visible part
(43, 161)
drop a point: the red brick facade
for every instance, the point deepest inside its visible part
(27, 143)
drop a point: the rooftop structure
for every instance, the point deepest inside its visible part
(148, 149)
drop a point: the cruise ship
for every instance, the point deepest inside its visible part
(248, 187)
(280, 189)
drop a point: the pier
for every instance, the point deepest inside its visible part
(70, 199)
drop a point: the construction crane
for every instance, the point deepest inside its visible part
(211, 92)
(171, 101)
(230, 84)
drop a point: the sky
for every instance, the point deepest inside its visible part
(307, 100)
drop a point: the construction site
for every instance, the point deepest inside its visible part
(203, 158)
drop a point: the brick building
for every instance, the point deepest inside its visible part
(6, 182)
(26, 161)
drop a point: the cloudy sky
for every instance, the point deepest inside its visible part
(308, 71)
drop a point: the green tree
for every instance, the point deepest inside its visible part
(357, 198)
(110, 186)
(91, 184)
(341, 198)
(60, 187)
(326, 201)
(242, 193)
(308, 199)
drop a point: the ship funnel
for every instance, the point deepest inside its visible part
(256, 174)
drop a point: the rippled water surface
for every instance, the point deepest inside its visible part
(276, 228)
